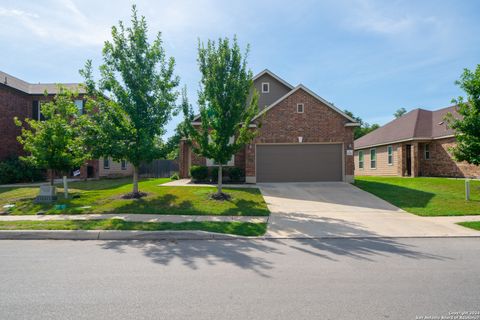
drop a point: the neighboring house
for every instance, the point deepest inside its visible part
(416, 144)
(302, 137)
(24, 100)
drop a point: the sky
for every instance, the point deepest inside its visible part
(369, 57)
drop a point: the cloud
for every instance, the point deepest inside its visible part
(16, 13)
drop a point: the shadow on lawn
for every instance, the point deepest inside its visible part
(261, 256)
(397, 195)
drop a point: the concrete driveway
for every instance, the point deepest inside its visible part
(337, 209)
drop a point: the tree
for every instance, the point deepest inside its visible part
(364, 127)
(467, 126)
(140, 84)
(55, 143)
(227, 103)
(400, 112)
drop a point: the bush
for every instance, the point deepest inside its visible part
(14, 170)
(174, 176)
(199, 173)
(236, 174)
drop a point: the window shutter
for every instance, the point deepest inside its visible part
(35, 110)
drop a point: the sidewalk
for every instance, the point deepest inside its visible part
(37, 184)
(189, 183)
(138, 218)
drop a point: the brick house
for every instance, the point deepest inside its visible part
(416, 144)
(24, 100)
(302, 137)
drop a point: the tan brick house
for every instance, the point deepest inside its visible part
(416, 144)
(21, 99)
(302, 137)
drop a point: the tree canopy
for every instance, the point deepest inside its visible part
(227, 101)
(400, 112)
(56, 142)
(364, 127)
(467, 126)
(135, 97)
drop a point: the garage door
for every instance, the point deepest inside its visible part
(299, 162)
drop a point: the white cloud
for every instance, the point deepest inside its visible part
(16, 13)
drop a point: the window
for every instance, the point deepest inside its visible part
(300, 107)
(106, 163)
(360, 159)
(79, 105)
(390, 155)
(427, 152)
(124, 164)
(265, 87)
(212, 163)
(36, 113)
(373, 158)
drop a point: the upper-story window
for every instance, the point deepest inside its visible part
(79, 105)
(300, 107)
(265, 87)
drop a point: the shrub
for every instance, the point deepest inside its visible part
(14, 170)
(236, 174)
(174, 176)
(199, 173)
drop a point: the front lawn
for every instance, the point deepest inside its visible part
(105, 196)
(425, 196)
(471, 224)
(237, 228)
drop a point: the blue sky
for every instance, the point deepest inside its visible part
(370, 57)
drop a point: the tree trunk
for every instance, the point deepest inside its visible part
(135, 179)
(65, 186)
(219, 182)
(52, 177)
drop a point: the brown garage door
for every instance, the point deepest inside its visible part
(299, 162)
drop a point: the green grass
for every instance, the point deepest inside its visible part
(237, 228)
(471, 224)
(425, 196)
(104, 196)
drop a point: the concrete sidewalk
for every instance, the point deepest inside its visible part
(189, 183)
(139, 218)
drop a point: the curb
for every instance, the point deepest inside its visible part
(176, 235)
(115, 235)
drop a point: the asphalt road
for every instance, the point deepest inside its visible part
(282, 279)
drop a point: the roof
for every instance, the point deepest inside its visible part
(36, 88)
(313, 94)
(418, 124)
(293, 90)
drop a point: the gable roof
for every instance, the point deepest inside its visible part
(416, 124)
(293, 90)
(273, 75)
(36, 88)
(313, 94)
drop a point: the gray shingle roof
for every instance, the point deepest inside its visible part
(416, 124)
(33, 88)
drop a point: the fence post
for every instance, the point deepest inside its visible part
(467, 189)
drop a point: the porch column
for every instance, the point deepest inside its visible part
(415, 159)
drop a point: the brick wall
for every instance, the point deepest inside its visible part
(318, 123)
(13, 103)
(441, 164)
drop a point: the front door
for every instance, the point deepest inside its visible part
(408, 151)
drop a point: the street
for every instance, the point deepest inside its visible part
(259, 279)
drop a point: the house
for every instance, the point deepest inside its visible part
(21, 99)
(302, 137)
(416, 144)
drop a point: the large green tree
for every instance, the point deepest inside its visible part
(467, 126)
(227, 102)
(56, 142)
(363, 128)
(135, 97)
